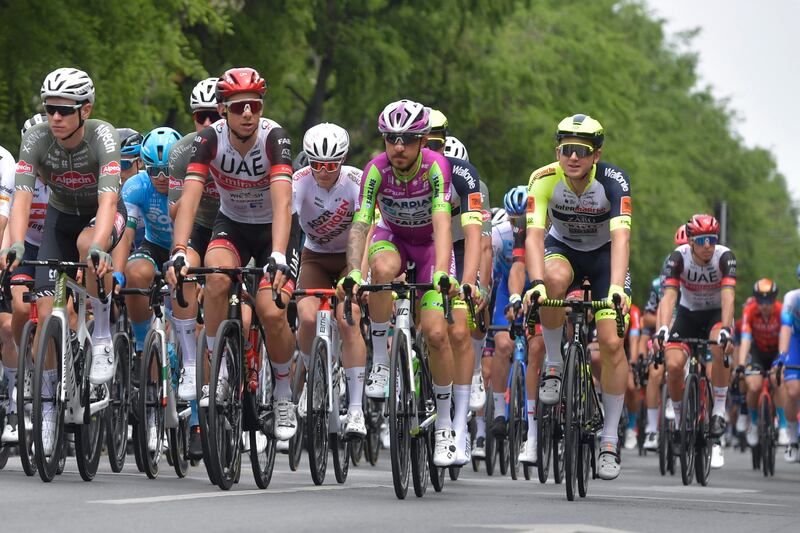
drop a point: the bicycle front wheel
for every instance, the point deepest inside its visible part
(263, 443)
(48, 411)
(296, 443)
(544, 444)
(517, 418)
(117, 411)
(203, 371)
(401, 402)
(688, 428)
(705, 442)
(663, 432)
(572, 420)
(340, 445)
(317, 411)
(766, 436)
(150, 429)
(25, 371)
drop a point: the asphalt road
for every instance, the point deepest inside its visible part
(737, 499)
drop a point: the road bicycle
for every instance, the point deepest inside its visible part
(666, 425)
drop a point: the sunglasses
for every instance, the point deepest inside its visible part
(126, 164)
(63, 110)
(581, 150)
(240, 106)
(703, 240)
(202, 116)
(158, 172)
(435, 143)
(405, 138)
(330, 166)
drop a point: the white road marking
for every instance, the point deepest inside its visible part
(656, 498)
(546, 528)
(691, 488)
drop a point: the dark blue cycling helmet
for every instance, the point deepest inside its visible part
(130, 143)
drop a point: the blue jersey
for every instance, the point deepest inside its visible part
(142, 200)
(790, 314)
(503, 248)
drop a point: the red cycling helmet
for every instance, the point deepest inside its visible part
(702, 225)
(240, 80)
(680, 235)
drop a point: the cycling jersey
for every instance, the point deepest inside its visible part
(654, 298)
(584, 222)
(326, 215)
(38, 205)
(700, 285)
(77, 177)
(790, 316)
(179, 156)
(635, 322)
(143, 200)
(243, 182)
(508, 245)
(406, 203)
(467, 200)
(763, 332)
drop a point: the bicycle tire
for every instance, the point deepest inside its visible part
(317, 417)
(427, 408)
(50, 337)
(117, 411)
(373, 411)
(502, 456)
(705, 442)
(149, 400)
(296, 443)
(88, 437)
(263, 462)
(339, 443)
(203, 358)
(401, 401)
(767, 445)
(688, 428)
(641, 423)
(586, 458)
(544, 444)
(225, 414)
(572, 436)
(663, 432)
(25, 371)
(356, 451)
(517, 418)
(490, 441)
(178, 439)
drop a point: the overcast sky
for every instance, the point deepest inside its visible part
(748, 53)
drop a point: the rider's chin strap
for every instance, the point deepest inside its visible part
(80, 125)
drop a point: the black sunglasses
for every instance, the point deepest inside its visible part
(405, 138)
(63, 110)
(201, 116)
(435, 144)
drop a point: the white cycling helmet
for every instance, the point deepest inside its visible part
(38, 118)
(455, 148)
(499, 216)
(326, 142)
(69, 83)
(204, 95)
(405, 116)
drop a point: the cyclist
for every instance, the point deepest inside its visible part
(706, 274)
(589, 205)
(9, 349)
(325, 196)
(203, 103)
(789, 348)
(130, 142)
(250, 160)
(758, 348)
(631, 394)
(412, 186)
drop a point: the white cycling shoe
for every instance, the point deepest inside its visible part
(528, 453)
(477, 392)
(377, 382)
(630, 439)
(103, 362)
(187, 388)
(355, 426)
(444, 450)
(285, 419)
(717, 457)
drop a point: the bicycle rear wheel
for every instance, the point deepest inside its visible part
(572, 421)
(705, 442)
(586, 457)
(263, 444)
(178, 440)
(296, 443)
(663, 432)
(688, 428)
(317, 411)
(203, 359)
(373, 412)
(150, 429)
(401, 403)
(225, 404)
(641, 423)
(490, 442)
(49, 409)
(544, 444)
(340, 445)
(25, 372)
(117, 411)
(517, 418)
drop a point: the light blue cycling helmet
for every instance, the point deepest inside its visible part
(798, 271)
(156, 146)
(516, 200)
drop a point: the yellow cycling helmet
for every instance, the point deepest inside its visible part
(438, 121)
(581, 126)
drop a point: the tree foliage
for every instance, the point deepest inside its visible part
(504, 72)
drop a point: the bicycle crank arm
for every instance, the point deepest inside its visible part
(98, 406)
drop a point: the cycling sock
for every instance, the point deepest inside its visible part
(355, 387)
(532, 429)
(754, 416)
(11, 381)
(676, 407)
(652, 420)
(380, 348)
(720, 395)
(791, 426)
(480, 427)
(552, 343)
(461, 403)
(102, 314)
(499, 399)
(477, 347)
(211, 342)
(443, 395)
(194, 420)
(612, 409)
(631, 420)
(185, 329)
(781, 417)
(283, 384)
(49, 385)
(139, 333)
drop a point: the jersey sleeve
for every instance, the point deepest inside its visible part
(727, 265)
(487, 210)
(107, 154)
(540, 190)
(133, 195)
(204, 149)
(635, 322)
(178, 161)
(789, 301)
(673, 267)
(519, 233)
(279, 151)
(440, 178)
(618, 191)
(7, 167)
(652, 301)
(466, 182)
(747, 326)
(368, 195)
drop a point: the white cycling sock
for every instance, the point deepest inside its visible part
(461, 402)
(184, 330)
(499, 399)
(612, 409)
(652, 420)
(443, 395)
(480, 427)
(552, 343)
(283, 382)
(102, 316)
(791, 427)
(355, 387)
(380, 346)
(720, 395)
(477, 347)
(532, 429)
(11, 380)
(211, 342)
(676, 408)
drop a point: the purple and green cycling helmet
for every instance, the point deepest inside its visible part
(405, 116)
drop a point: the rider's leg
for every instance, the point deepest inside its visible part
(720, 376)
(385, 262)
(614, 376)
(535, 360)
(9, 351)
(463, 365)
(501, 361)
(653, 396)
(676, 360)
(557, 278)
(139, 273)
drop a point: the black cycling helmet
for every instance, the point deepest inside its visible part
(765, 291)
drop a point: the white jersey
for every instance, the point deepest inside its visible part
(243, 182)
(700, 285)
(326, 216)
(7, 172)
(41, 195)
